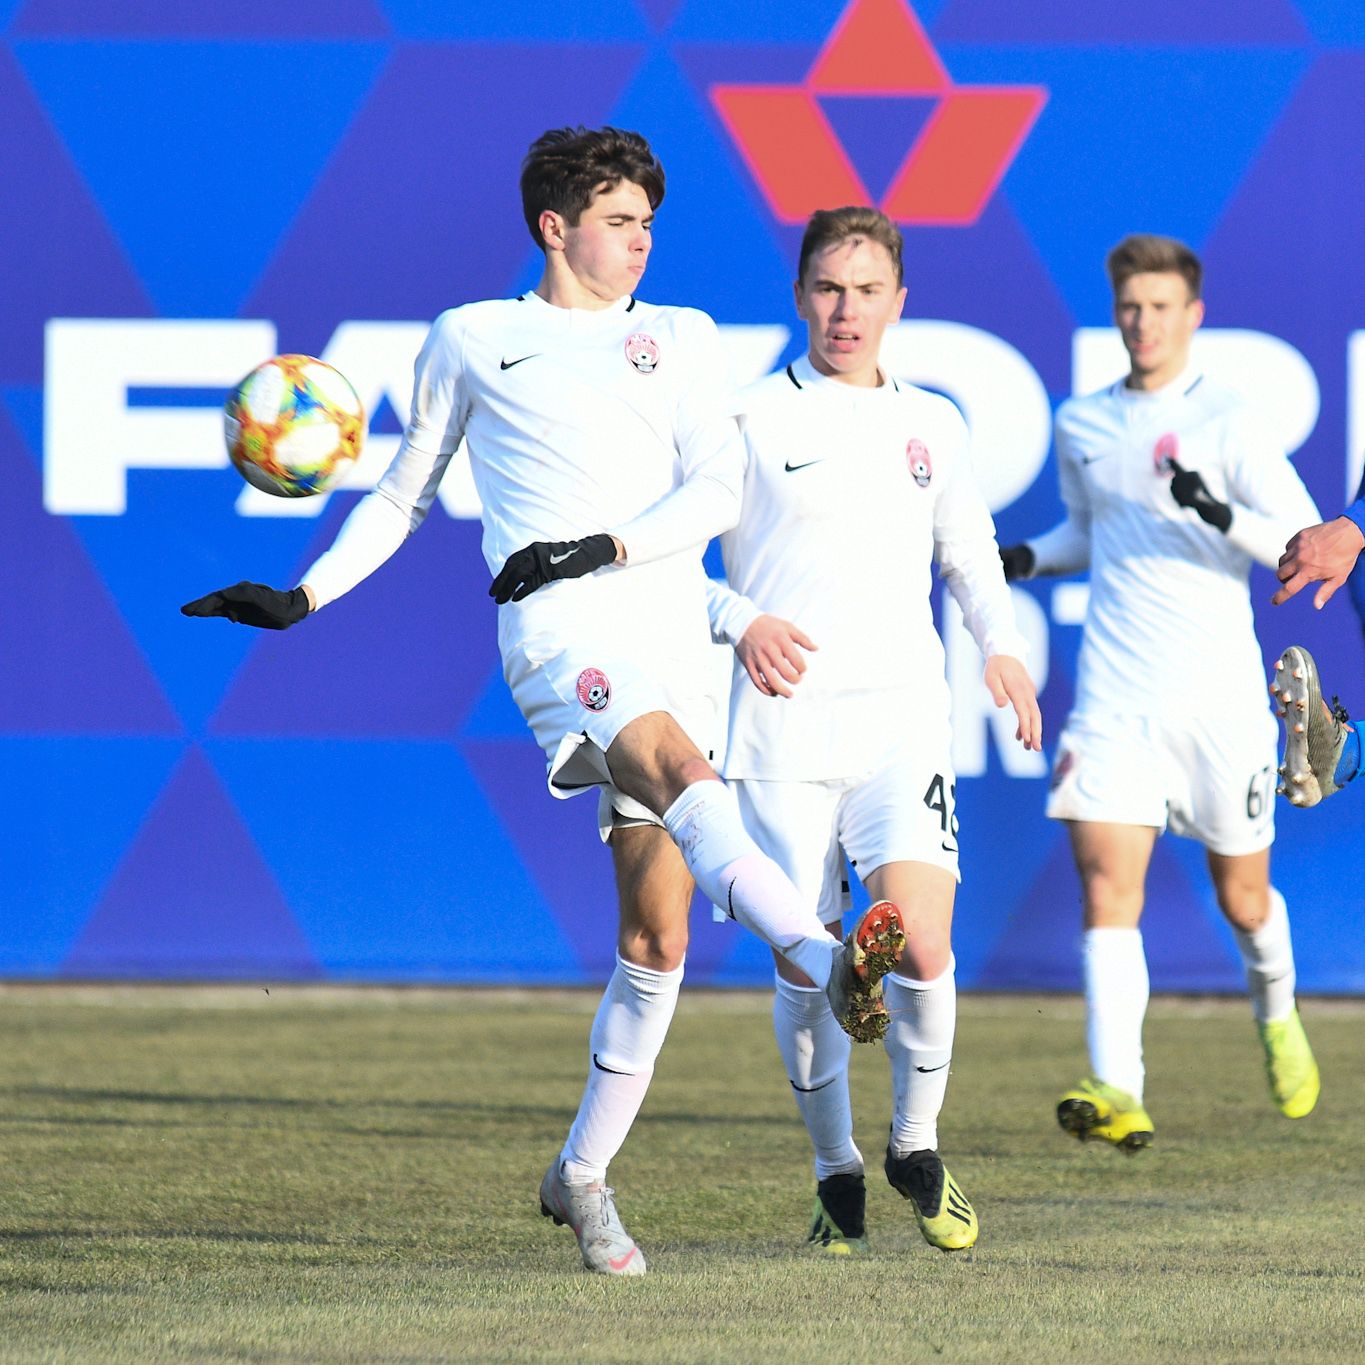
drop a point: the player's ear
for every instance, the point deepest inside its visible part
(900, 301)
(800, 300)
(1196, 312)
(552, 229)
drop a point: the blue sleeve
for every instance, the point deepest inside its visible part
(1356, 512)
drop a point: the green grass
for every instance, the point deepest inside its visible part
(317, 1175)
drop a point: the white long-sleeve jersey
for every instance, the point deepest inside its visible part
(1168, 592)
(576, 422)
(850, 495)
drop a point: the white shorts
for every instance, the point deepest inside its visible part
(905, 811)
(578, 700)
(1206, 778)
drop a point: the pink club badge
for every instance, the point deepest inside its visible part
(920, 465)
(643, 352)
(594, 691)
(1166, 452)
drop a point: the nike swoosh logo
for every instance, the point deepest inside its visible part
(507, 364)
(792, 468)
(559, 559)
(927, 1069)
(621, 1262)
(1090, 459)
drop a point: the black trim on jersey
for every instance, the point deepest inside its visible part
(521, 298)
(894, 385)
(631, 304)
(791, 375)
(1194, 386)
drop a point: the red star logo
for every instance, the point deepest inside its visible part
(878, 48)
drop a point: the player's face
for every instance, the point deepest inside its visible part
(847, 299)
(606, 250)
(1157, 318)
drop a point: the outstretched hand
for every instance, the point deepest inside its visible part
(1010, 685)
(770, 651)
(1323, 554)
(253, 604)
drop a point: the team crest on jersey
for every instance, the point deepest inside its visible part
(643, 352)
(917, 457)
(1166, 452)
(594, 691)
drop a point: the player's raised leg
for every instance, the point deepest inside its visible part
(654, 762)
(921, 1002)
(1112, 860)
(1260, 924)
(1321, 745)
(655, 894)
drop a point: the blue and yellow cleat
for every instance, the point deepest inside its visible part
(837, 1226)
(946, 1219)
(1092, 1109)
(1290, 1066)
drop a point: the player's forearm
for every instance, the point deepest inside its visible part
(704, 505)
(1260, 536)
(977, 583)
(1065, 549)
(730, 613)
(375, 529)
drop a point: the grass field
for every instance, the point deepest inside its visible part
(316, 1175)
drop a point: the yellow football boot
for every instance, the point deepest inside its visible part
(1093, 1109)
(1289, 1066)
(837, 1223)
(946, 1219)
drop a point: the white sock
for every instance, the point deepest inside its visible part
(627, 1034)
(1268, 957)
(735, 875)
(1116, 991)
(919, 1042)
(815, 1053)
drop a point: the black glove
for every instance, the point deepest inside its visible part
(252, 604)
(1018, 561)
(1189, 490)
(547, 560)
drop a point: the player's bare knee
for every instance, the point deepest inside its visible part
(660, 949)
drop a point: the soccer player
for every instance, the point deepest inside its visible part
(585, 408)
(855, 485)
(1172, 487)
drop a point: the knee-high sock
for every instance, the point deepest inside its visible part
(815, 1052)
(627, 1034)
(1268, 957)
(919, 1042)
(725, 862)
(1116, 991)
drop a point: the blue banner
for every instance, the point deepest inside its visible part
(194, 188)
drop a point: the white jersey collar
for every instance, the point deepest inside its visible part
(805, 376)
(1183, 384)
(577, 317)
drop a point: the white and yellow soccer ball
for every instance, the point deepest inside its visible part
(294, 426)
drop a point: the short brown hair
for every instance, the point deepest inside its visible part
(566, 167)
(828, 227)
(1143, 253)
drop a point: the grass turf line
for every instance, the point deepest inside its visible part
(319, 1175)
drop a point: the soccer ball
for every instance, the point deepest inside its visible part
(294, 426)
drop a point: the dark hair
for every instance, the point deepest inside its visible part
(566, 167)
(827, 227)
(1146, 254)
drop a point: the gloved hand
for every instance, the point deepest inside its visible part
(252, 604)
(1189, 490)
(547, 560)
(1018, 561)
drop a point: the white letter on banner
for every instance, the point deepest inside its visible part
(999, 392)
(974, 711)
(1268, 373)
(1355, 416)
(91, 437)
